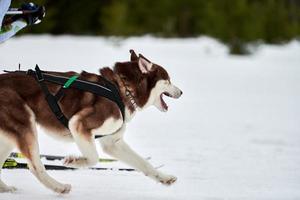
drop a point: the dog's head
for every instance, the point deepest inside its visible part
(149, 82)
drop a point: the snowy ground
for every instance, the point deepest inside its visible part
(235, 133)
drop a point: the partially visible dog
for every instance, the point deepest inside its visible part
(22, 105)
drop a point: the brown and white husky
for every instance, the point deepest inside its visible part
(22, 106)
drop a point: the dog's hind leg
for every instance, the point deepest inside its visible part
(28, 145)
(85, 141)
(31, 152)
(5, 148)
(115, 146)
(17, 121)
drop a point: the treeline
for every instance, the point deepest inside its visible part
(235, 22)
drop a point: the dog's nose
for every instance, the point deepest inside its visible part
(179, 93)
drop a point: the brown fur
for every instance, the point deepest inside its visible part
(22, 103)
(17, 90)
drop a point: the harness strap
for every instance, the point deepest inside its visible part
(60, 94)
(52, 101)
(70, 81)
(107, 90)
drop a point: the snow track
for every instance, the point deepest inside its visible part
(235, 133)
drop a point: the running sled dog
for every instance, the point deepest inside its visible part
(140, 83)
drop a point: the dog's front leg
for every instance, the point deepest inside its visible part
(115, 146)
(86, 144)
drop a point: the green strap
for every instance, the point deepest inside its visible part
(70, 81)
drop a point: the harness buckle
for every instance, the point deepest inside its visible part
(39, 75)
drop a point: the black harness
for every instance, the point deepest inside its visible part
(107, 90)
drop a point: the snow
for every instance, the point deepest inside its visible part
(234, 134)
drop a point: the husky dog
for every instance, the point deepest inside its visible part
(22, 105)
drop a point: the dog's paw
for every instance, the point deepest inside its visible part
(165, 179)
(7, 189)
(73, 161)
(63, 189)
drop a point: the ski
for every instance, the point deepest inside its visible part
(54, 157)
(11, 163)
(17, 161)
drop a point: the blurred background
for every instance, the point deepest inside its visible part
(234, 22)
(235, 132)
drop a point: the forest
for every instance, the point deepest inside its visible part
(234, 22)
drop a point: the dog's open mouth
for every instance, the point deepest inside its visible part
(163, 103)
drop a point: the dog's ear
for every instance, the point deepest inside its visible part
(144, 64)
(141, 56)
(133, 56)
